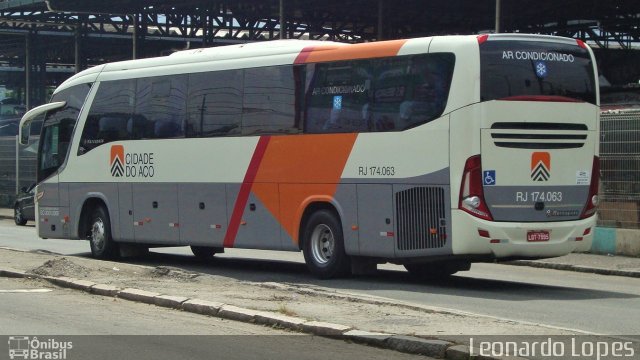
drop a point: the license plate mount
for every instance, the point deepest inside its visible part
(538, 235)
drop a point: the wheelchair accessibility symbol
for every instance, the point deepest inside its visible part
(489, 177)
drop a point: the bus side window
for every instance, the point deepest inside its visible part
(269, 105)
(214, 104)
(109, 115)
(338, 97)
(161, 103)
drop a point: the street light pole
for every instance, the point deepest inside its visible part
(498, 5)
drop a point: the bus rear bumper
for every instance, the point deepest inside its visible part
(509, 240)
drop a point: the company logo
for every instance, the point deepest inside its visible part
(25, 347)
(540, 166)
(131, 164)
(117, 160)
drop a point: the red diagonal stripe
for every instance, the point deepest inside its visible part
(245, 190)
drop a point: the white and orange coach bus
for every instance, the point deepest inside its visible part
(431, 152)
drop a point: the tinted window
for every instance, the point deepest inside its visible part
(58, 128)
(110, 117)
(511, 69)
(269, 101)
(214, 105)
(390, 94)
(160, 110)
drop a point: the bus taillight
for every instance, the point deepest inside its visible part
(471, 191)
(592, 200)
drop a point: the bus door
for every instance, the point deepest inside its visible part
(52, 198)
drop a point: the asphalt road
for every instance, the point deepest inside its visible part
(580, 301)
(120, 329)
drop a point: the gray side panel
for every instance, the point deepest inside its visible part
(287, 242)
(65, 226)
(375, 219)
(258, 228)
(125, 209)
(346, 199)
(203, 214)
(49, 211)
(63, 195)
(518, 203)
(155, 212)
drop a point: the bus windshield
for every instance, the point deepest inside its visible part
(526, 70)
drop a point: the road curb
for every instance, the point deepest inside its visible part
(408, 344)
(202, 307)
(104, 290)
(576, 268)
(169, 301)
(138, 295)
(13, 273)
(413, 345)
(325, 329)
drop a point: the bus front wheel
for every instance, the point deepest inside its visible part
(323, 246)
(102, 244)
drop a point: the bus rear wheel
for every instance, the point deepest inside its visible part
(323, 246)
(100, 240)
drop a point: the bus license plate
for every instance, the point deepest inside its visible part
(538, 235)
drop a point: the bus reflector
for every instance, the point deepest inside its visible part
(471, 191)
(579, 238)
(587, 231)
(592, 200)
(484, 233)
(495, 241)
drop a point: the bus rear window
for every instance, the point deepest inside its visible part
(545, 71)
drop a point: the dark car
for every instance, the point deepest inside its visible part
(23, 208)
(9, 127)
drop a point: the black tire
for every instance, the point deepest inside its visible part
(100, 240)
(436, 270)
(323, 246)
(18, 215)
(203, 252)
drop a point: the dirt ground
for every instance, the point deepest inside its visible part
(310, 302)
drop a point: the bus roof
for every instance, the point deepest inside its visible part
(281, 51)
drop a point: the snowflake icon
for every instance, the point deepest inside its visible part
(541, 69)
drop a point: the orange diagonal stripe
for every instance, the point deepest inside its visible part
(348, 52)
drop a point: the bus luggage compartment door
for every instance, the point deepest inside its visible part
(155, 213)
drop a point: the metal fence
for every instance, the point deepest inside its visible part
(620, 169)
(25, 164)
